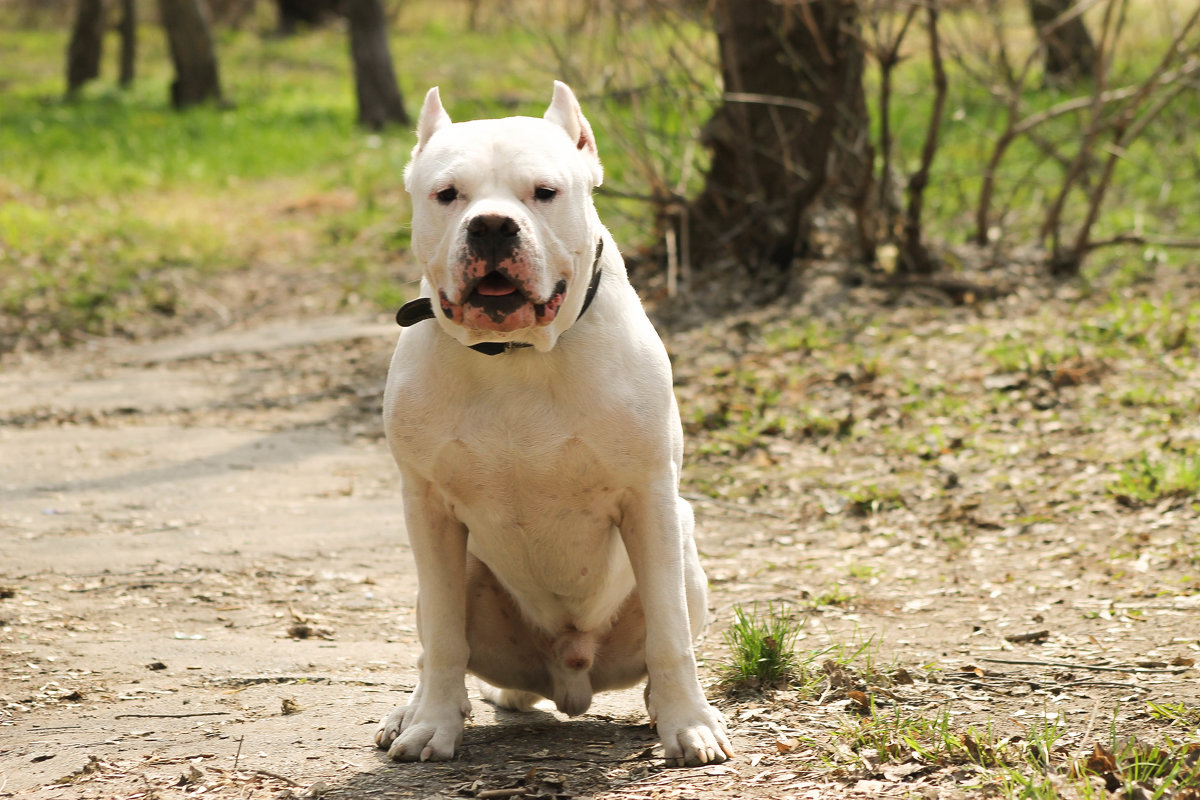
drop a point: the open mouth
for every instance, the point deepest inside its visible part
(497, 303)
(495, 285)
(496, 296)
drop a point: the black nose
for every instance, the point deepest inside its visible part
(493, 237)
(492, 226)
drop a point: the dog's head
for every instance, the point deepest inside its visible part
(503, 221)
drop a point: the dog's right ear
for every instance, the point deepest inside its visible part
(433, 118)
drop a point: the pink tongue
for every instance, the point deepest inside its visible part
(495, 285)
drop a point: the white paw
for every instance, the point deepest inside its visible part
(422, 731)
(693, 736)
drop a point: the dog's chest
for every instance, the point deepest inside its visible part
(541, 504)
(527, 477)
(533, 453)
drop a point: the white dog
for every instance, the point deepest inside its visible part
(530, 409)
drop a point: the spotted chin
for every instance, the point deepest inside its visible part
(497, 304)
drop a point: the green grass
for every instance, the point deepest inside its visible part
(762, 648)
(109, 204)
(869, 500)
(113, 206)
(1038, 764)
(1154, 476)
(833, 594)
(1150, 192)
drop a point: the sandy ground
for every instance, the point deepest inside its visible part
(205, 588)
(204, 565)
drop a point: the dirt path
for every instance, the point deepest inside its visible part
(204, 567)
(205, 588)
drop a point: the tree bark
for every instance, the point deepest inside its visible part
(86, 44)
(1070, 53)
(307, 12)
(379, 100)
(128, 30)
(792, 130)
(190, 39)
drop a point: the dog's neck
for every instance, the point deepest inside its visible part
(421, 309)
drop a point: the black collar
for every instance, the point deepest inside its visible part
(421, 309)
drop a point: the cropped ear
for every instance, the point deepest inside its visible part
(433, 118)
(564, 111)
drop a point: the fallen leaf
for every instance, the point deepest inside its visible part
(1101, 760)
(862, 699)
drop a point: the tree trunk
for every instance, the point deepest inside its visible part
(792, 130)
(379, 99)
(307, 12)
(128, 29)
(190, 39)
(230, 13)
(86, 45)
(1070, 53)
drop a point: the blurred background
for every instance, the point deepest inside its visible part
(172, 161)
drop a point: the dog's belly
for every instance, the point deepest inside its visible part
(542, 517)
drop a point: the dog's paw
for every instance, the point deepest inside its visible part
(693, 737)
(420, 732)
(390, 726)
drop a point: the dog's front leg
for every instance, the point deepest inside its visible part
(430, 726)
(656, 528)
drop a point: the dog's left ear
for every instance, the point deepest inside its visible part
(564, 111)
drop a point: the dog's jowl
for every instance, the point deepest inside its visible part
(529, 407)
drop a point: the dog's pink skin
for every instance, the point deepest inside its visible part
(549, 310)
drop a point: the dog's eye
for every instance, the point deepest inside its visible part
(447, 195)
(544, 193)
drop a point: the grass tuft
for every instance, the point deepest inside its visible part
(1148, 478)
(762, 649)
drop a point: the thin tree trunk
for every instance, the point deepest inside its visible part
(86, 45)
(1070, 52)
(190, 39)
(379, 100)
(128, 29)
(915, 255)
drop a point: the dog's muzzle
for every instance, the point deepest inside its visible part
(421, 309)
(496, 292)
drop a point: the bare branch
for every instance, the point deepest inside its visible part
(1125, 130)
(1109, 32)
(1016, 129)
(1123, 134)
(886, 52)
(771, 100)
(1143, 240)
